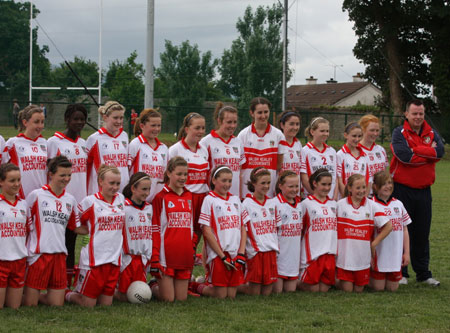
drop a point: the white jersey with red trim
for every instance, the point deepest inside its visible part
(319, 229)
(13, 229)
(105, 222)
(152, 161)
(289, 235)
(198, 165)
(260, 151)
(292, 155)
(348, 165)
(137, 233)
(262, 232)
(76, 152)
(50, 215)
(355, 230)
(103, 148)
(376, 159)
(390, 250)
(314, 159)
(2, 148)
(31, 157)
(225, 216)
(229, 153)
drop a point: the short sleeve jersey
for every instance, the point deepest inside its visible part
(355, 231)
(50, 215)
(104, 148)
(31, 157)
(376, 159)
(226, 217)
(390, 250)
(76, 152)
(105, 222)
(292, 155)
(2, 148)
(198, 165)
(229, 153)
(13, 229)
(260, 151)
(153, 161)
(319, 229)
(349, 165)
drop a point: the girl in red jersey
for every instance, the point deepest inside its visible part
(13, 223)
(137, 233)
(173, 245)
(319, 239)
(291, 148)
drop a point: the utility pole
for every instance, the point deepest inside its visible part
(285, 46)
(149, 68)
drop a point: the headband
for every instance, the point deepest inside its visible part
(351, 126)
(260, 170)
(321, 173)
(221, 168)
(288, 114)
(193, 114)
(142, 178)
(106, 110)
(315, 119)
(224, 108)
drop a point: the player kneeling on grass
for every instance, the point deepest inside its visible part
(319, 239)
(357, 217)
(52, 210)
(13, 223)
(103, 214)
(393, 252)
(137, 233)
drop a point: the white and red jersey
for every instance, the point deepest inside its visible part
(50, 215)
(292, 155)
(348, 164)
(390, 250)
(172, 230)
(2, 148)
(319, 229)
(229, 153)
(289, 235)
(104, 148)
(152, 161)
(31, 157)
(13, 229)
(105, 222)
(376, 159)
(314, 159)
(76, 152)
(137, 233)
(355, 231)
(198, 165)
(260, 151)
(226, 217)
(262, 232)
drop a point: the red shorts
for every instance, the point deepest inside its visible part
(323, 269)
(48, 272)
(177, 274)
(359, 278)
(220, 276)
(135, 271)
(12, 273)
(262, 268)
(390, 276)
(99, 280)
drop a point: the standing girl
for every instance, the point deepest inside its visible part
(291, 148)
(357, 217)
(146, 153)
(223, 147)
(319, 240)
(261, 144)
(109, 145)
(13, 224)
(393, 252)
(28, 150)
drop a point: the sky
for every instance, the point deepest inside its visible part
(320, 36)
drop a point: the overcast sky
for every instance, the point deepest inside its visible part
(319, 32)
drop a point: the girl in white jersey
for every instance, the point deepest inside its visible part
(357, 217)
(223, 147)
(52, 210)
(146, 153)
(109, 145)
(319, 239)
(261, 144)
(13, 250)
(393, 252)
(28, 150)
(137, 233)
(317, 154)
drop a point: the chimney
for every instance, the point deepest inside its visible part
(358, 77)
(311, 80)
(332, 81)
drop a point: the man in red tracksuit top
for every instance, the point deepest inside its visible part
(416, 148)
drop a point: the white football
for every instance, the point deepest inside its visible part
(139, 293)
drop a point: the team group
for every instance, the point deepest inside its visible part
(143, 208)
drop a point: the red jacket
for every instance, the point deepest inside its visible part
(413, 163)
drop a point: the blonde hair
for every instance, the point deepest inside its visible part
(379, 179)
(366, 120)
(103, 169)
(282, 179)
(105, 110)
(143, 118)
(315, 122)
(27, 113)
(219, 112)
(187, 121)
(351, 180)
